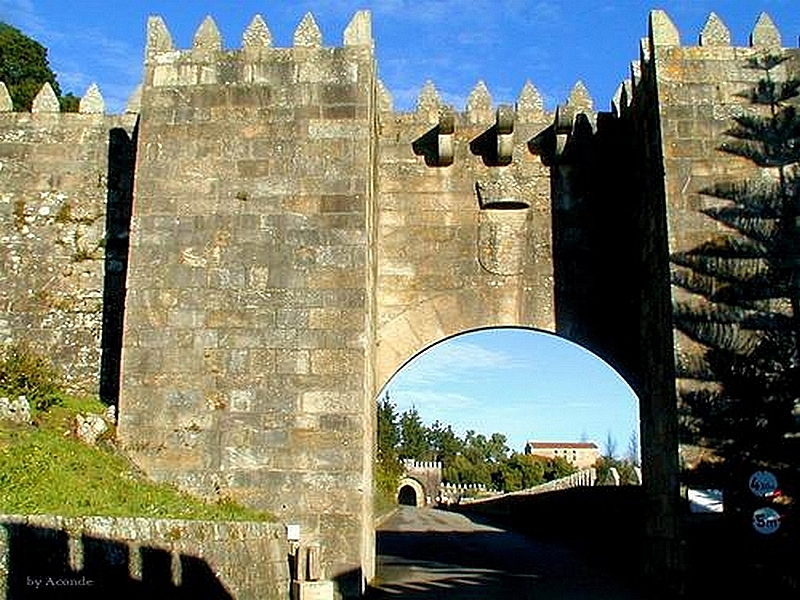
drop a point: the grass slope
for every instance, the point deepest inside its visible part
(45, 469)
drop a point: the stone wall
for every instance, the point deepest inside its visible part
(463, 222)
(54, 185)
(700, 91)
(247, 341)
(103, 557)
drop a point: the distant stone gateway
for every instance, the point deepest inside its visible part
(248, 254)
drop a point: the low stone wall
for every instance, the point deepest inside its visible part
(45, 556)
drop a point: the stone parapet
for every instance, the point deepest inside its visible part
(78, 557)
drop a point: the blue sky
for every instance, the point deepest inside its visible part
(454, 43)
(522, 383)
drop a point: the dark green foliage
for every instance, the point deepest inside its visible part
(25, 373)
(24, 69)
(388, 468)
(69, 102)
(413, 437)
(745, 287)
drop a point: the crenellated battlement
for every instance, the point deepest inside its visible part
(478, 110)
(208, 61)
(764, 35)
(46, 102)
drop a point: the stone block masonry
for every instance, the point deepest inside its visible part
(46, 556)
(245, 364)
(54, 190)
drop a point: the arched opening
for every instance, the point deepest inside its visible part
(529, 385)
(410, 492)
(407, 496)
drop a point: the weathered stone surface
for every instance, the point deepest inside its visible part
(179, 558)
(429, 100)
(579, 98)
(46, 101)
(92, 101)
(207, 38)
(134, 104)
(257, 36)
(479, 104)
(715, 33)
(359, 31)
(307, 34)
(384, 98)
(529, 104)
(765, 34)
(662, 30)
(159, 39)
(18, 410)
(6, 105)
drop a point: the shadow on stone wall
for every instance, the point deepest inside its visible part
(119, 204)
(40, 565)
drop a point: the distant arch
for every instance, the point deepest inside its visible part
(410, 492)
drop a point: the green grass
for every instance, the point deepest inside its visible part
(44, 469)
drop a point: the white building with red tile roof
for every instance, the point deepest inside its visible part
(580, 454)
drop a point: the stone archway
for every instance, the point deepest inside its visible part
(432, 322)
(411, 492)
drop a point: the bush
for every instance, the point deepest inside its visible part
(24, 373)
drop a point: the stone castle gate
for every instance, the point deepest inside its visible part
(294, 240)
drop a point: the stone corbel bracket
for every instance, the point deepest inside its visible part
(504, 125)
(496, 145)
(553, 143)
(444, 135)
(437, 144)
(562, 128)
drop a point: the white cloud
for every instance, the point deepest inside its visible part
(455, 361)
(432, 404)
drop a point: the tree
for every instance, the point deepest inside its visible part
(633, 449)
(610, 446)
(743, 302)
(388, 468)
(413, 436)
(24, 69)
(388, 432)
(445, 444)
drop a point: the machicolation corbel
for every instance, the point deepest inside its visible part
(436, 145)
(496, 145)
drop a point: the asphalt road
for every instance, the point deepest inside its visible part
(428, 554)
